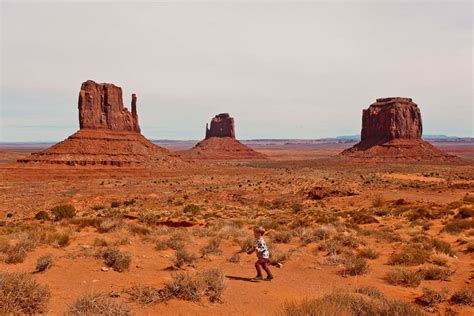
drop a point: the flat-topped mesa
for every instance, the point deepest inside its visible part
(101, 107)
(391, 118)
(222, 125)
(392, 129)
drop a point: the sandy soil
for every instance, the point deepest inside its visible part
(231, 198)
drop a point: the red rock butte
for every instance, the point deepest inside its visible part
(392, 129)
(222, 125)
(220, 143)
(109, 134)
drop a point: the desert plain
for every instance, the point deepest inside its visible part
(348, 236)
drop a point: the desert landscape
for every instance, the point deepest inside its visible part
(109, 223)
(276, 158)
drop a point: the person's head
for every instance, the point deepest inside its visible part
(258, 231)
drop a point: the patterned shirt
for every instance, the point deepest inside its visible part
(261, 248)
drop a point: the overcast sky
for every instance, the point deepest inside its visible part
(281, 69)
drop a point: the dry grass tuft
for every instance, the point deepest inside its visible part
(281, 237)
(464, 296)
(212, 248)
(456, 226)
(404, 277)
(314, 307)
(235, 258)
(21, 294)
(246, 244)
(61, 212)
(98, 304)
(144, 294)
(369, 253)
(44, 263)
(214, 281)
(411, 255)
(432, 297)
(175, 242)
(183, 257)
(189, 287)
(363, 302)
(355, 265)
(378, 200)
(110, 225)
(116, 259)
(437, 273)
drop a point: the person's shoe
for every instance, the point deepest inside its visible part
(258, 278)
(269, 278)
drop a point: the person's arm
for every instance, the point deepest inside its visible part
(251, 250)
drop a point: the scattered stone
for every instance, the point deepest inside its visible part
(104, 269)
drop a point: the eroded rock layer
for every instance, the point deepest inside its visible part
(392, 129)
(101, 107)
(220, 143)
(222, 125)
(109, 135)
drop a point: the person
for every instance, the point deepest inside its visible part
(263, 255)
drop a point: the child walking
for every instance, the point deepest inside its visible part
(263, 254)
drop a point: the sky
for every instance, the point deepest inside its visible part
(282, 69)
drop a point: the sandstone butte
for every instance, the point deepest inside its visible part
(220, 143)
(109, 134)
(392, 129)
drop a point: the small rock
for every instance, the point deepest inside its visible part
(104, 269)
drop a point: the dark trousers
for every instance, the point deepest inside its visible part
(262, 263)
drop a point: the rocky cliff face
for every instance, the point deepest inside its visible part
(392, 129)
(222, 125)
(109, 135)
(391, 118)
(220, 143)
(101, 107)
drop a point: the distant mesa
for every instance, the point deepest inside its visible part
(109, 134)
(392, 129)
(220, 143)
(222, 125)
